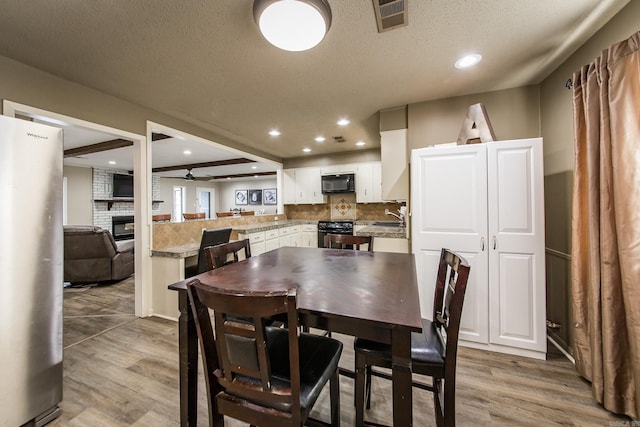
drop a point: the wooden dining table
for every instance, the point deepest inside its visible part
(372, 295)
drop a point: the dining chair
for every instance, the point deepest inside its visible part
(247, 213)
(347, 241)
(433, 352)
(255, 373)
(210, 237)
(218, 255)
(221, 214)
(197, 215)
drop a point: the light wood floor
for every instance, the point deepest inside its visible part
(123, 371)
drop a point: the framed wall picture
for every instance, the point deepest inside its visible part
(255, 197)
(241, 197)
(270, 196)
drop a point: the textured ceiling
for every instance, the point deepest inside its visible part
(206, 63)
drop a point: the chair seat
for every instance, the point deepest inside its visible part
(319, 357)
(427, 350)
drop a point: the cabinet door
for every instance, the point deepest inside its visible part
(516, 234)
(376, 182)
(308, 186)
(364, 179)
(289, 187)
(449, 210)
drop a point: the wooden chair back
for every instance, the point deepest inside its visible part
(347, 241)
(218, 255)
(211, 237)
(247, 213)
(451, 286)
(197, 215)
(236, 362)
(222, 214)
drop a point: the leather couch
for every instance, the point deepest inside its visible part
(92, 255)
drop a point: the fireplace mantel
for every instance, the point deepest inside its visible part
(110, 202)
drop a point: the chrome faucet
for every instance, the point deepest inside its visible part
(399, 215)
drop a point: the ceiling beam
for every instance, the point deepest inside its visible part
(96, 148)
(203, 165)
(243, 175)
(155, 136)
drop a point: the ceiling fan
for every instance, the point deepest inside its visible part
(189, 176)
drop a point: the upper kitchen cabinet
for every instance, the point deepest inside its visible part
(369, 183)
(395, 168)
(302, 186)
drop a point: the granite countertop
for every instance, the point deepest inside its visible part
(191, 249)
(182, 251)
(390, 232)
(264, 226)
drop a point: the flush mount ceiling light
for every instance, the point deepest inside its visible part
(293, 25)
(468, 61)
(274, 132)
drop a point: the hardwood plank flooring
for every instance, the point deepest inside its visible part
(123, 371)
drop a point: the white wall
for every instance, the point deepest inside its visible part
(166, 194)
(79, 197)
(227, 195)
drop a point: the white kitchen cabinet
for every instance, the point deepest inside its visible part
(336, 169)
(289, 187)
(256, 241)
(485, 201)
(302, 186)
(369, 183)
(295, 235)
(309, 236)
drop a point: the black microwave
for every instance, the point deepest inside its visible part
(339, 183)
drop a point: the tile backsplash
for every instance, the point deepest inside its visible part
(342, 207)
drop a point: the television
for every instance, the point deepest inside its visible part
(122, 185)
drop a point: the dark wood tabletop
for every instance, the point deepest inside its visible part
(372, 295)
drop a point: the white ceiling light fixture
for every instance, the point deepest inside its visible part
(306, 150)
(468, 61)
(343, 122)
(320, 138)
(274, 132)
(360, 143)
(186, 152)
(293, 25)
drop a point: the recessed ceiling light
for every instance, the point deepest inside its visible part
(306, 150)
(320, 138)
(255, 176)
(186, 152)
(343, 122)
(254, 167)
(228, 177)
(360, 143)
(274, 132)
(468, 61)
(112, 162)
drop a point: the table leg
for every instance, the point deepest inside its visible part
(188, 354)
(401, 373)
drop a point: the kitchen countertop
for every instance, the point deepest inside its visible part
(391, 232)
(191, 249)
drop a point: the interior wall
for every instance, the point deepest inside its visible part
(191, 197)
(363, 156)
(556, 106)
(30, 86)
(228, 189)
(79, 195)
(513, 113)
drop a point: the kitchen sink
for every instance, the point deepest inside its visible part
(388, 224)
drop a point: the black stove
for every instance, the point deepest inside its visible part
(332, 227)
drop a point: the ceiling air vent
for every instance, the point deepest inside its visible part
(390, 14)
(338, 139)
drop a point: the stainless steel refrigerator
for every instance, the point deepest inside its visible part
(31, 279)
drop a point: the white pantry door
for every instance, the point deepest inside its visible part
(449, 210)
(517, 253)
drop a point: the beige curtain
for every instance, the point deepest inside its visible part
(606, 226)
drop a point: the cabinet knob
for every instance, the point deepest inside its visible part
(495, 242)
(482, 243)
